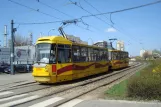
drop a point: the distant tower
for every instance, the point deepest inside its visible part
(9, 43)
(142, 52)
(30, 39)
(120, 45)
(5, 36)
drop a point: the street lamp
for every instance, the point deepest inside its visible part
(50, 30)
(91, 40)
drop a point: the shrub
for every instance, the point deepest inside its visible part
(147, 85)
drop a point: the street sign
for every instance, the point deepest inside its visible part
(22, 53)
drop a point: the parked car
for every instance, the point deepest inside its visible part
(3, 67)
(21, 68)
(7, 70)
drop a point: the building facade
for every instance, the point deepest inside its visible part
(120, 45)
(22, 55)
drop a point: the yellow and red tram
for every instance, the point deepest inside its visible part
(59, 59)
(118, 59)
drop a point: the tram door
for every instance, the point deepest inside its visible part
(64, 66)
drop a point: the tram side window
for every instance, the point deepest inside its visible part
(106, 55)
(90, 54)
(102, 55)
(64, 53)
(84, 54)
(53, 54)
(110, 55)
(118, 55)
(96, 55)
(125, 55)
(115, 55)
(121, 55)
(76, 53)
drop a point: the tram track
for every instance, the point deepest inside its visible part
(59, 89)
(62, 88)
(28, 84)
(87, 89)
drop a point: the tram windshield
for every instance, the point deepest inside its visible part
(43, 52)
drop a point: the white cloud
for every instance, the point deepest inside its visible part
(111, 30)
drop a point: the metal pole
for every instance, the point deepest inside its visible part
(27, 54)
(50, 30)
(12, 48)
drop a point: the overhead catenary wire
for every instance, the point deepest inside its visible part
(122, 10)
(68, 16)
(84, 28)
(131, 8)
(152, 3)
(99, 11)
(76, 4)
(21, 23)
(54, 8)
(118, 11)
(37, 10)
(104, 16)
(112, 12)
(95, 8)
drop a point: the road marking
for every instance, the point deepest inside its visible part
(6, 92)
(71, 103)
(9, 98)
(19, 101)
(47, 102)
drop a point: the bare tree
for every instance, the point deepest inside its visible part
(20, 40)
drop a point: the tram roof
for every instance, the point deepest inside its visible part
(115, 50)
(53, 39)
(60, 39)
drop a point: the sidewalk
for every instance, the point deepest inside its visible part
(117, 103)
(9, 79)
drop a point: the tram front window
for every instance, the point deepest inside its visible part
(43, 52)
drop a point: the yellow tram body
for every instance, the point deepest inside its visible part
(72, 60)
(119, 59)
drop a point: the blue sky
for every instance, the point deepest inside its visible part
(133, 27)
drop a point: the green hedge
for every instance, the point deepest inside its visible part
(147, 85)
